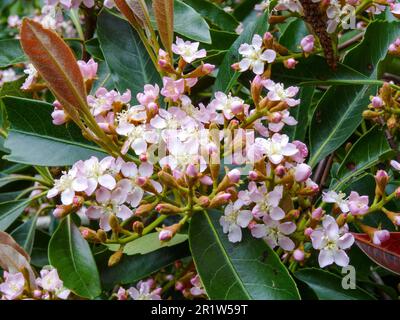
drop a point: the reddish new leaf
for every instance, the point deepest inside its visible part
(164, 14)
(56, 63)
(386, 255)
(132, 11)
(6, 239)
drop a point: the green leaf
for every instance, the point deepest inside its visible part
(328, 286)
(295, 31)
(39, 257)
(129, 63)
(197, 29)
(215, 14)
(13, 88)
(24, 235)
(71, 255)
(134, 268)
(245, 8)
(365, 153)
(31, 129)
(148, 243)
(243, 271)
(302, 114)
(226, 75)
(10, 211)
(10, 52)
(338, 113)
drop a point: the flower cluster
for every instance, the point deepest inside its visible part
(48, 286)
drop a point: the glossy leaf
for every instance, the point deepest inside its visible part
(24, 235)
(10, 52)
(226, 75)
(328, 286)
(70, 254)
(295, 31)
(164, 15)
(130, 65)
(31, 129)
(133, 268)
(56, 63)
(245, 271)
(10, 211)
(332, 126)
(386, 255)
(365, 153)
(215, 14)
(148, 243)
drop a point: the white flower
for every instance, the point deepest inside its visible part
(32, 75)
(277, 92)
(13, 286)
(51, 282)
(234, 219)
(254, 57)
(188, 50)
(276, 148)
(291, 5)
(332, 241)
(338, 198)
(69, 183)
(267, 202)
(275, 233)
(143, 291)
(97, 173)
(227, 104)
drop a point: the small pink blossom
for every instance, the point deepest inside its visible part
(88, 69)
(307, 43)
(13, 286)
(188, 50)
(338, 198)
(173, 89)
(357, 204)
(277, 92)
(267, 202)
(149, 94)
(380, 236)
(234, 219)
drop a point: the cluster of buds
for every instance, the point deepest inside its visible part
(47, 286)
(385, 108)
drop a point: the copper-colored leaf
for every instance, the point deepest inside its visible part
(132, 11)
(164, 14)
(56, 63)
(14, 259)
(6, 239)
(386, 255)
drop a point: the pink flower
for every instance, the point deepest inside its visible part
(380, 236)
(98, 173)
(267, 202)
(275, 233)
(197, 289)
(59, 116)
(277, 92)
(88, 69)
(358, 204)
(254, 57)
(234, 219)
(276, 148)
(284, 118)
(13, 286)
(302, 153)
(101, 102)
(188, 50)
(165, 235)
(395, 165)
(302, 172)
(227, 104)
(173, 89)
(51, 282)
(395, 9)
(331, 241)
(149, 95)
(109, 4)
(307, 43)
(338, 198)
(143, 291)
(32, 77)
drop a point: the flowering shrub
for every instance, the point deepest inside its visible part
(198, 150)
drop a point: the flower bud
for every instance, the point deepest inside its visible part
(302, 172)
(290, 63)
(192, 171)
(381, 180)
(206, 180)
(280, 171)
(138, 227)
(37, 294)
(235, 66)
(115, 258)
(253, 175)
(275, 117)
(60, 212)
(144, 209)
(256, 88)
(204, 201)
(234, 176)
(166, 208)
(369, 114)
(167, 233)
(308, 231)
(298, 255)
(317, 214)
(167, 179)
(393, 216)
(376, 102)
(307, 43)
(88, 234)
(146, 185)
(114, 223)
(397, 193)
(101, 235)
(220, 200)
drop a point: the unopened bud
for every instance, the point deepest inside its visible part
(280, 171)
(317, 213)
(88, 234)
(381, 180)
(298, 255)
(204, 201)
(192, 171)
(234, 176)
(308, 231)
(376, 102)
(220, 200)
(146, 185)
(393, 216)
(114, 223)
(115, 258)
(138, 227)
(235, 66)
(167, 208)
(144, 209)
(167, 179)
(369, 114)
(102, 235)
(302, 172)
(290, 63)
(206, 180)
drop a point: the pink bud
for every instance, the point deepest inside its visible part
(253, 175)
(392, 48)
(234, 175)
(380, 236)
(352, 2)
(235, 66)
(317, 213)
(223, 196)
(280, 170)
(162, 63)
(208, 68)
(397, 42)
(141, 181)
(85, 233)
(191, 170)
(302, 172)
(165, 235)
(152, 107)
(57, 105)
(179, 286)
(377, 102)
(267, 36)
(308, 231)
(58, 212)
(307, 43)
(298, 255)
(237, 107)
(275, 117)
(290, 63)
(37, 294)
(206, 180)
(143, 157)
(88, 69)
